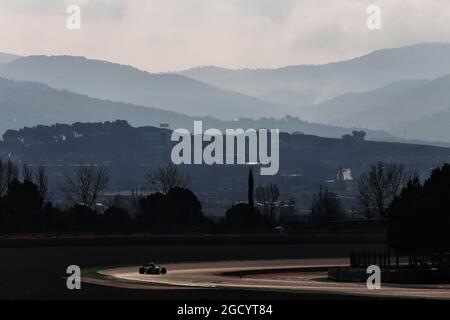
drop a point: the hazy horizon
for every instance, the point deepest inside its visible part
(220, 66)
(173, 35)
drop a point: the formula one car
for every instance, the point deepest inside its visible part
(152, 268)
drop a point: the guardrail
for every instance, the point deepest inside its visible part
(366, 259)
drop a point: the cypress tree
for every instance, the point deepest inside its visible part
(251, 202)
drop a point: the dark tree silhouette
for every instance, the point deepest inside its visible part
(287, 211)
(21, 206)
(27, 173)
(41, 181)
(162, 179)
(178, 206)
(267, 196)
(85, 184)
(326, 207)
(116, 219)
(183, 206)
(150, 208)
(245, 214)
(419, 218)
(404, 222)
(53, 219)
(251, 201)
(379, 186)
(8, 173)
(39, 178)
(83, 218)
(242, 215)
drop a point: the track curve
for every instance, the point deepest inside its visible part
(300, 275)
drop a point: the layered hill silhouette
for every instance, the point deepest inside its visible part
(115, 140)
(109, 81)
(338, 109)
(6, 58)
(403, 108)
(311, 84)
(403, 91)
(27, 104)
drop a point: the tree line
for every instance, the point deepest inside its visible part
(25, 204)
(419, 216)
(416, 214)
(376, 190)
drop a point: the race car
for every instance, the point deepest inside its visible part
(152, 268)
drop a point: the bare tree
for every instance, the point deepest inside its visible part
(27, 173)
(287, 210)
(85, 184)
(162, 179)
(8, 173)
(326, 207)
(267, 196)
(41, 180)
(380, 185)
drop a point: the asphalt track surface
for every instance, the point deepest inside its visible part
(38, 272)
(298, 276)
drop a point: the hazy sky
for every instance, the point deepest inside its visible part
(161, 35)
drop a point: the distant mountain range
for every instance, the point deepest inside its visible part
(337, 110)
(312, 84)
(7, 58)
(26, 104)
(402, 91)
(109, 81)
(392, 108)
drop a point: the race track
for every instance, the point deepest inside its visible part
(294, 276)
